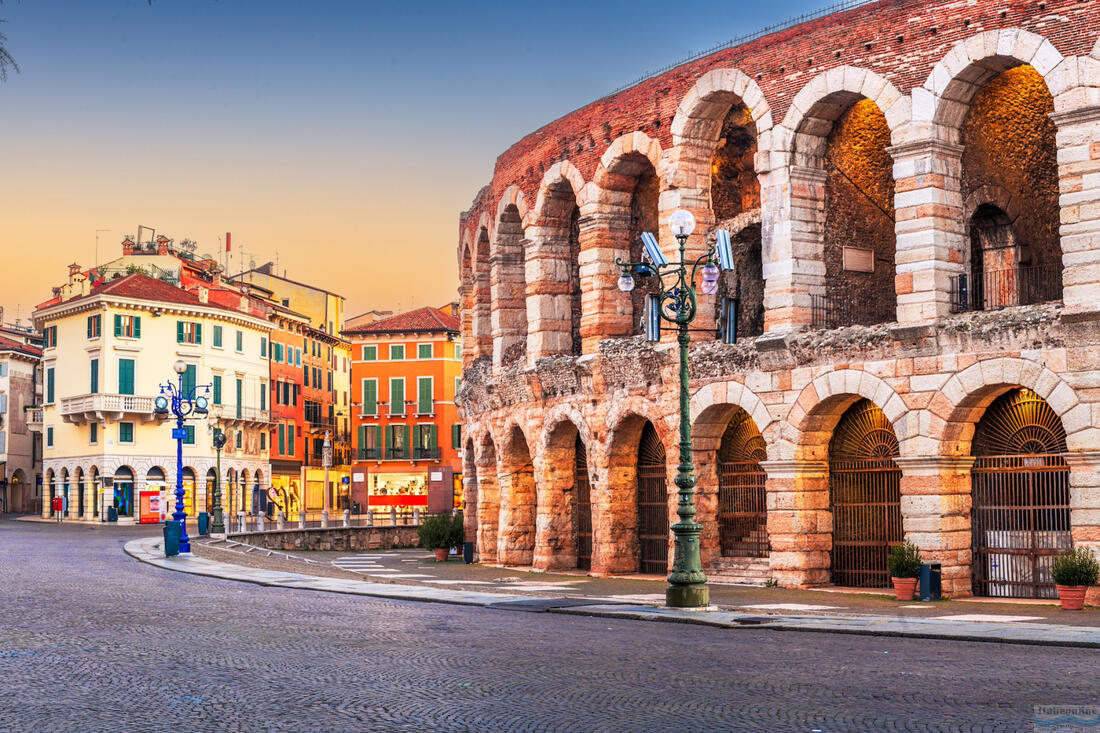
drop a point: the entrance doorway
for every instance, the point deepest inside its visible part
(653, 526)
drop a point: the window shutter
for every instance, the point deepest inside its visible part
(198, 333)
(263, 396)
(126, 376)
(290, 440)
(94, 381)
(424, 396)
(217, 389)
(190, 379)
(403, 431)
(49, 385)
(137, 327)
(90, 326)
(456, 436)
(217, 338)
(282, 439)
(433, 437)
(118, 325)
(179, 332)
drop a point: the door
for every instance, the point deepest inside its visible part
(742, 499)
(865, 497)
(653, 526)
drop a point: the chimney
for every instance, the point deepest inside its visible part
(162, 244)
(204, 295)
(127, 246)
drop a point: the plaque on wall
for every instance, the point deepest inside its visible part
(858, 259)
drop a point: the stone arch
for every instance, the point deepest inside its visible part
(621, 202)
(700, 113)
(508, 310)
(834, 142)
(822, 403)
(972, 63)
(713, 404)
(553, 265)
(17, 499)
(556, 541)
(516, 531)
(512, 196)
(488, 498)
(965, 396)
(992, 193)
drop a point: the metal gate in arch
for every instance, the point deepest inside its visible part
(864, 495)
(1020, 515)
(653, 526)
(742, 498)
(582, 506)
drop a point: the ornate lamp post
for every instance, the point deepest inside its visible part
(182, 404)
(218, 525)
(676, 303)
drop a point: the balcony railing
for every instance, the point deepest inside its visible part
(426, 454)
(239, 414)
(837, 312)
(1004, 288)
(369, 454)
(34, 419)
(98, 407)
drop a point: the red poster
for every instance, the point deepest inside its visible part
(149, 507)
(398, 500)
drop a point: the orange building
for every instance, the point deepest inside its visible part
(406, 430)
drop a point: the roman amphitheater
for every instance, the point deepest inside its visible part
(907, 348)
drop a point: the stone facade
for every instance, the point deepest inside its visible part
(886, 159)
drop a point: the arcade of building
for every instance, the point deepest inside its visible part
(908, 347)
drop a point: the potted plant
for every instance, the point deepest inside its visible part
(437, 534)
(904, 565)
(1073, 572)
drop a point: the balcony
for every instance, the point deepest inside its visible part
(101, 407)
(237, 415)
(369, 454)
(997, 289)
(34, 419)
(426, 453)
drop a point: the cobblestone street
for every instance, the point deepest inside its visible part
(91, 639)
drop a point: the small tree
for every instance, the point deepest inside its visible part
(1076, 567)
(436, 532)
(904, 561)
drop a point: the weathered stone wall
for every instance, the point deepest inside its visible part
(340, 539)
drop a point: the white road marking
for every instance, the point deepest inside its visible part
(987, 617)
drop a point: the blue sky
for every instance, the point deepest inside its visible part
(324, 131)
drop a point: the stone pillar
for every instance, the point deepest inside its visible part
(555, 541)
(469, 502)
(481, 343)
(47, 498)
(614, 511)
(696, 201)
(800, 525)
(516, 531)
(1078, 142)
(488, 513)
(930, 228)
(508, 317)
(935, 514)
(706, 506)
(549, 294)
(301, 519)
(1084, 505)
(793, 221)
(604, 231)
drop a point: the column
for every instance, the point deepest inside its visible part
(555, 541)
(800, 525)
(935, 515)
(793, 217)
(604, 230)
(930, 228)
(1078, 142)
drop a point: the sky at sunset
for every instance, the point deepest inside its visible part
(343, 138)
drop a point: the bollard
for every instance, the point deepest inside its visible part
(347, 518)
(370, 519)
(416, 516)
(240, 522)
(393, 516)
(324, 519)
(280, 520)
(259, 522)
(301, 520)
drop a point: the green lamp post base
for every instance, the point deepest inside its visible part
(687, 596)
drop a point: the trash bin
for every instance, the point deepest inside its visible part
(112, 514)
(931, 587)
(468, 552)
(171, 538)
(204, 524)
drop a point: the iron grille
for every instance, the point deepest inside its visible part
(582, 507)
(742, 497)
(1004, 288)
(653, 525)
(828, 312)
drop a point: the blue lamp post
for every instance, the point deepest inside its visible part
(183, 404)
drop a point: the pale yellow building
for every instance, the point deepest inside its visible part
(107, 351)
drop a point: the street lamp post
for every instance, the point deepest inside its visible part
(218, 525)
(676, 303)
(182, 404)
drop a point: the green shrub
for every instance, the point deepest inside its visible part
(436, 532)
(458, 532)
(1076, 567)
(904, 561)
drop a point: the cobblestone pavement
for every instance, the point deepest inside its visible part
(91, 639)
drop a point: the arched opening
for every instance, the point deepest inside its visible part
(643, 218)
(482, 324)
(66, 490)
(259, 495)
(155, 480)
(94, 482)
(575, 281)
(243, 492)
(488, 501)
(864, 496)
(51, 492)
(652, 493)
(17, 503)
(1020, 516)
(211, 481)
(80, 488)
(859, 234)
(123, 485)
(553, 271)
(740, 297)
(469, 493)
(742, 498)
(1010, 159)
(469, 295)
(509, 291)
(189, 491)
(582, 506)
(516, 533)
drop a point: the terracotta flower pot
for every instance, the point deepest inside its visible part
(441, 554)
(1072, 597)
(905, 588)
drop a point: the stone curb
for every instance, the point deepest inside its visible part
(148, 550)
